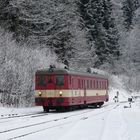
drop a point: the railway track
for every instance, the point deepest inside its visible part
(32, 115)
(44, 122)
(57, 122)
(24, 116)
(10, 116)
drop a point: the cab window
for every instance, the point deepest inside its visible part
(59, 80)
(41, 80)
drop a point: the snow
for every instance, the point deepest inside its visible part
(114, 121)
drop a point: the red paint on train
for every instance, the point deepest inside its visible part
(61, 79)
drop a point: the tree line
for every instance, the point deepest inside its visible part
(102, 34)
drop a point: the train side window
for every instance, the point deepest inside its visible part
(93, 84)
(82, 83)
(87, 83)
(96, 84)
(78, 83)
(70, 80)
(79, 86)
(101, 84)
(105, 84)
(90, 83)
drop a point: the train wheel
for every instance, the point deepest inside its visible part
(95, 105)
(70, 108)
(100, 104)
(67, 108)
(45, 109)
(57, 110)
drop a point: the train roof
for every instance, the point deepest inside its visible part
(67, 71)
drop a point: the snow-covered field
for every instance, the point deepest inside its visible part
(111, 122)
(114, 121)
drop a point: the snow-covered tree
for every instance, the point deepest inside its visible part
(17, 71)
(129, 7)
(98, 20)
(53, 24)
(130, 63)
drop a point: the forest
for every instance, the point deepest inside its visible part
(101, 34)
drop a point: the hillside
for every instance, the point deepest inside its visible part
(103, 34)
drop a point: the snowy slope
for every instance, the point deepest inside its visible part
(114, 121)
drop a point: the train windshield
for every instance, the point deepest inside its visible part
(59, 80)
(41, 80)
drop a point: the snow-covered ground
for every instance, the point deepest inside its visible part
(114, 121)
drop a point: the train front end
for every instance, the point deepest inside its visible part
(51, 89)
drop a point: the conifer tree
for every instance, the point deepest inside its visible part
(129, 7)
(97, 17)
(9, 16)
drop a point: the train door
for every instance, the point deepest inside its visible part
(60, 82)
(72, 88)
(85, 100)
(50, 89)
(75, 92)
(80, 90)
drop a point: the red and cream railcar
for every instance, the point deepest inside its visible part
(64, 89)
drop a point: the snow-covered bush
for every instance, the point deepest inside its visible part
(17, 70)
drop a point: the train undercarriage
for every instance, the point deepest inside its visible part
(72, 107)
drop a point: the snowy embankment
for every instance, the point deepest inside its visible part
(111, 122)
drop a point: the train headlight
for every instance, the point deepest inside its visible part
(60, 93)
(39, 93)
